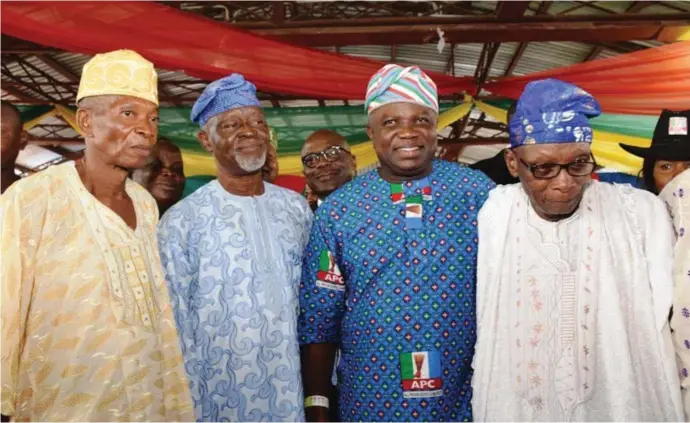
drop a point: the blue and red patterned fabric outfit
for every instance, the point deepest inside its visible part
(399, 301)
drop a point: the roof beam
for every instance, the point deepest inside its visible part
(35, 89)
(670, 5)
(595, 6)
(278, 16)
(450, 66)
(594, 28)
(24, 64)
(506, 10)
(635, 7)
(492, 49)
(594, 53)
(19, 95)
(58, 67)
(520, 50)
(516, 59)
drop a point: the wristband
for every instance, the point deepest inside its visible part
(316, 401)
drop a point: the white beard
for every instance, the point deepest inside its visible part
(251, 164)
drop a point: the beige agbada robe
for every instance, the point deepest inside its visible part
(87, 326)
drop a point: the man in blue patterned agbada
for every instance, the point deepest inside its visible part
(389, 272)
(232, 254)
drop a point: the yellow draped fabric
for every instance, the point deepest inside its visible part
(35, 121)
(58, 110)
(68, 116)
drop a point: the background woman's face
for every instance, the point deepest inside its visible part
(666, 170)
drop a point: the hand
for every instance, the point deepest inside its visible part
(317, 414)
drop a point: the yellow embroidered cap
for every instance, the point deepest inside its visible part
(120, 72)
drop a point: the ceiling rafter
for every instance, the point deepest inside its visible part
(670, 5)
(18, 94)
(23, 63)
(635, 7)
(57, 67)
(595, 6)
(520, 50)
(450, 66)
(28, 85)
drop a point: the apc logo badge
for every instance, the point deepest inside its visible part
(329, 275)
(421, 374)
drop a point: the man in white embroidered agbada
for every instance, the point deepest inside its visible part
(574, 281)
(87, 326)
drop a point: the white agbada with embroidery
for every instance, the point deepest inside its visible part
(573, 315)
(676, 195)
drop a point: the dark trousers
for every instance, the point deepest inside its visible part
(333, 400)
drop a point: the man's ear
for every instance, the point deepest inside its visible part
(205, 141)
(370, 132)
(511, 162)
(23, 139)
(85, 122)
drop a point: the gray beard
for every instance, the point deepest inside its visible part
(251, 164)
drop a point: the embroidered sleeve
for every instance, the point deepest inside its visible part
(307, 220)
(322, 290)
(22, 215)
(180, 271)
(657, 239)
(676, 195)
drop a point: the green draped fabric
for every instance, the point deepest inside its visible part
(634, 125)
(32, 112)
(294, 124)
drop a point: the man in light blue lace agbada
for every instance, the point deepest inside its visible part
(232, 253)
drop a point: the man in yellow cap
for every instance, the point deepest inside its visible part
(87, 327)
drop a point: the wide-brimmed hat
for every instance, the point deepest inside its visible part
(671, 139)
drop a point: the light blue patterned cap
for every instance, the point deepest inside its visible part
(224, 94)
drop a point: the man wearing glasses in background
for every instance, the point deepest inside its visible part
(328, 164)
(574, 282)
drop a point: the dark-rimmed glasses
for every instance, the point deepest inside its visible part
(551, 170)
(330, 154)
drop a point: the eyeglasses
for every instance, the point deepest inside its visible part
(551, 170)
(331, 154)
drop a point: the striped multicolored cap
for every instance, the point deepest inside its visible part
(396, 84)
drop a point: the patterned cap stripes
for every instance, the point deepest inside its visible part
(394, 84)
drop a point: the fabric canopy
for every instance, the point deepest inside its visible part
(203, 48)
(644, 82)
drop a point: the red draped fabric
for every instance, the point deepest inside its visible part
(203, 48)
(643, 82)
(293, 182)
